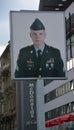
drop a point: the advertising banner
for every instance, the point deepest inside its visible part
(26, 105)
(38, 45)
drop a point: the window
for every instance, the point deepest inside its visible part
(57, 92)
(49, 115)
(73, 62)
(64, 109)
(67, 108)
(68, 87)
(72, 106)
(71, 85)
(70, 64)
(47, 97)
(72, 39)
(60, 111)
(63, 89)
(52, 95)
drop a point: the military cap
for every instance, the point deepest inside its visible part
(37, 25)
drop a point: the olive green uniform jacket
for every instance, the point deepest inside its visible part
(50, 65)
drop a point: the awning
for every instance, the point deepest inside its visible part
(59, 120)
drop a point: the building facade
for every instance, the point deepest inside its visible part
(59, 94)
(7, 94)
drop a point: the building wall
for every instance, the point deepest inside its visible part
(8, 90)
(59, 94)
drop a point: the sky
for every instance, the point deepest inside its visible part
(5, 7)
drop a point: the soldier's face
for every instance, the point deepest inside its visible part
(38, 36)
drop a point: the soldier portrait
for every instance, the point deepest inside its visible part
(38, 45)
(39, 59)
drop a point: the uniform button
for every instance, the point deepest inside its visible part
(29, 68)
(47, 65)
(39, 76)
(49, 68)
(40, 69)
(31, 51)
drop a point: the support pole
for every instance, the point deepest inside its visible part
(40, 104)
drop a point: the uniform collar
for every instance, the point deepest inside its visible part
(36, 49)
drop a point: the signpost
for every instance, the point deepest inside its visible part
(28, 73)
(40, 104)
(30, 104)
(25, 63)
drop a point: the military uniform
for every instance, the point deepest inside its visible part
(29, 64)
(50, 64)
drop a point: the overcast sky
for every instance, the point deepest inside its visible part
(5, 7)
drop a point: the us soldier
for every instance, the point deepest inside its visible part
(39, 59)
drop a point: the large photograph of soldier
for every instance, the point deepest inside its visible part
(40, 59)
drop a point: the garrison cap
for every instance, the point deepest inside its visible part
(37, 25)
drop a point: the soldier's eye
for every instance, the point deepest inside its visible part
(40, 33)
(34, 34)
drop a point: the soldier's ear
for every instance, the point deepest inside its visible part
(45, 33)
(30, 34)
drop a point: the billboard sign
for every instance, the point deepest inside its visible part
(26, 105)
(38, 45)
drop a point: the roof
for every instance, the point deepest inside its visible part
(52, 5)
